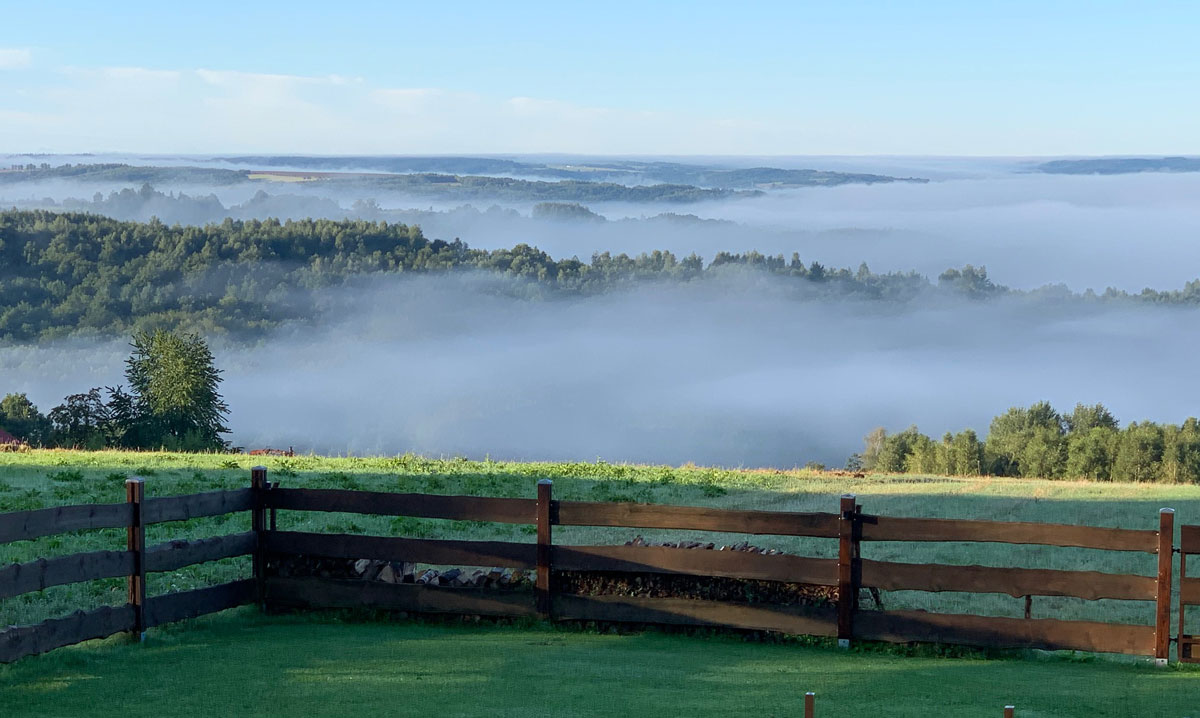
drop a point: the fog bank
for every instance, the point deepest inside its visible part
(734, 373)
(1125, 231)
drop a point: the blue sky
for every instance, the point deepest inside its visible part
(978, 78)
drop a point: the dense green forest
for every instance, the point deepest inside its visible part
(1038, 441)
(77, 273)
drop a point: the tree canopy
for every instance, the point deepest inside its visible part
(174, 403)
(1039, 442)
(78, 273)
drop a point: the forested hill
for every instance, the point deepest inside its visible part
(1120, 165)
(69, 273)
(468, 177)
(426, 185)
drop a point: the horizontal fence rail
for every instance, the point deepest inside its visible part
(825, 602)
(194, 506)
(893, 528)
(693, 612)
(466, 553)
(20, 641)
(696, 518)
(462, 508)
(720, 564)
(26, 525)
(1044, 633)
(342, 593)
(1016, 582)
(174, 555)
(20, 578)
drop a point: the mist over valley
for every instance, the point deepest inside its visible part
(742, 368)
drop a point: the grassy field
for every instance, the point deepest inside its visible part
(45, 478)
(242, 664)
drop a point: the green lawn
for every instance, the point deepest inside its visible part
(241, 663)
(44, 478)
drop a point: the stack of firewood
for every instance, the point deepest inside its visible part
(711, 588)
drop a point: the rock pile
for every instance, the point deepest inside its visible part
(587, 583)
(397, 572)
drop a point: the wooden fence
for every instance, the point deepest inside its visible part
(1189, 594)
(139, 612)
(850, 527)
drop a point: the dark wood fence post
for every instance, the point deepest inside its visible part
(1182, 649)
(1162, 613)
(258, 482)
(544, 598)
(1009, 711)
(847, 585)
(135, 543)
(810, 699)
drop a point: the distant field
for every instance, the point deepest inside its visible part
(288, 176)
(282, 176)
(44, 478)
(241, 664)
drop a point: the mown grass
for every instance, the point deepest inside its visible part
(44, 478)
(241, 663)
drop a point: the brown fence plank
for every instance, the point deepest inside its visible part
(794, 620)
(22, 525)
(194, 506)
(920, 626)
(19, 578)
(696, 518)
(892, 528)
(464, 508)
(697, 562)
(1189, 591)
(171, 555)
(20, 641)
(466, 553)
(173, 607)
(340, 593)
(1189, 539)
(1090, 585)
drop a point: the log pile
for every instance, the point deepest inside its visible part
(656, 585)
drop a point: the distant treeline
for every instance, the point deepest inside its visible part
(146, 203)
(1039, 442)
(418, 174)
(1121, 165)
(62, 274)
(424, 184)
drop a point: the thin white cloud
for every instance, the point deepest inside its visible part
(237, 78)
(13, 58)
(140, 74)
(215, 111)
(204, 110)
